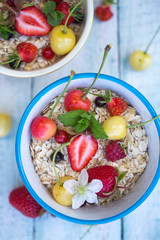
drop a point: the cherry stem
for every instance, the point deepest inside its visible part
(87, 231)
(65, 25)
(10, 8)
(149, 44)
(54, 156)
(71, 77)
(106, 51)
(141, 124)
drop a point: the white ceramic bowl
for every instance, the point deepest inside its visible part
(85, 30)
(90, 214)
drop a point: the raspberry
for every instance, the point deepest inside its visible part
(114, 151)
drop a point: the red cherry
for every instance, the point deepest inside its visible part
(48, 53)
(43, 128)
(61, 136)
(74, 101)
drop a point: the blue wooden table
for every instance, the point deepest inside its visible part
(131, 28)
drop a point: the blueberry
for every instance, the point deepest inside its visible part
(58, 158)
(99, 101)
(11, 64)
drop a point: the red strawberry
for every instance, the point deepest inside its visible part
(64, 8)
(27, 52)
(81, 150)
(21, 199)
(107, 174)
(114, 151)
(32, 22)
(116, 106)
(104, 12)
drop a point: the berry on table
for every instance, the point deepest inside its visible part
(61, 136)
(60, 194)
(5, 124)
(43, 128)
(47, 53)
(104, 12)
(21, 199)
(115, 151)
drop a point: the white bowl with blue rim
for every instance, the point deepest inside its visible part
(83, 36)
(90, 214)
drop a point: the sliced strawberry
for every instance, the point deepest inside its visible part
(81, 150)
(32, 22)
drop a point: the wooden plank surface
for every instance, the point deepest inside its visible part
(130, 29)
(138, 20)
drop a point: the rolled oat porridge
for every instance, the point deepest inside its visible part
(34, 22)
(134, 147)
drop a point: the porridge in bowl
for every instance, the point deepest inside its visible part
(128, 156)
(37, 34)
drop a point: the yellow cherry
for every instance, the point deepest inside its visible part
(60, 194)
(5, 124)
(115, 127)
(62, 43)
(140, 60)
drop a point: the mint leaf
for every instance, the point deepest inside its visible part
(121, 176)
(70, 119)
(49, 7)
(97, 129)
(4, 35)
(82, 125)
(86, 115)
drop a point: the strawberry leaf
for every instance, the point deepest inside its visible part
(70, 119)
(97, 129)
(121, 176)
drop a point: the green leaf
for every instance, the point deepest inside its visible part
(121, 176)
(70, 119)
(118, 173)
(86, 115)
(4, 34)
(82, 125)
(97, 129)
(49, 7)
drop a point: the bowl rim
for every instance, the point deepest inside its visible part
(19, 160)
(65, 60)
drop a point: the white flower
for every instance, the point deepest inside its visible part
(82, 190)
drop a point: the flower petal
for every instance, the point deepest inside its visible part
(71, 186)
(83, 178)
(95, 185)
(77, 201)
(91, 197)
